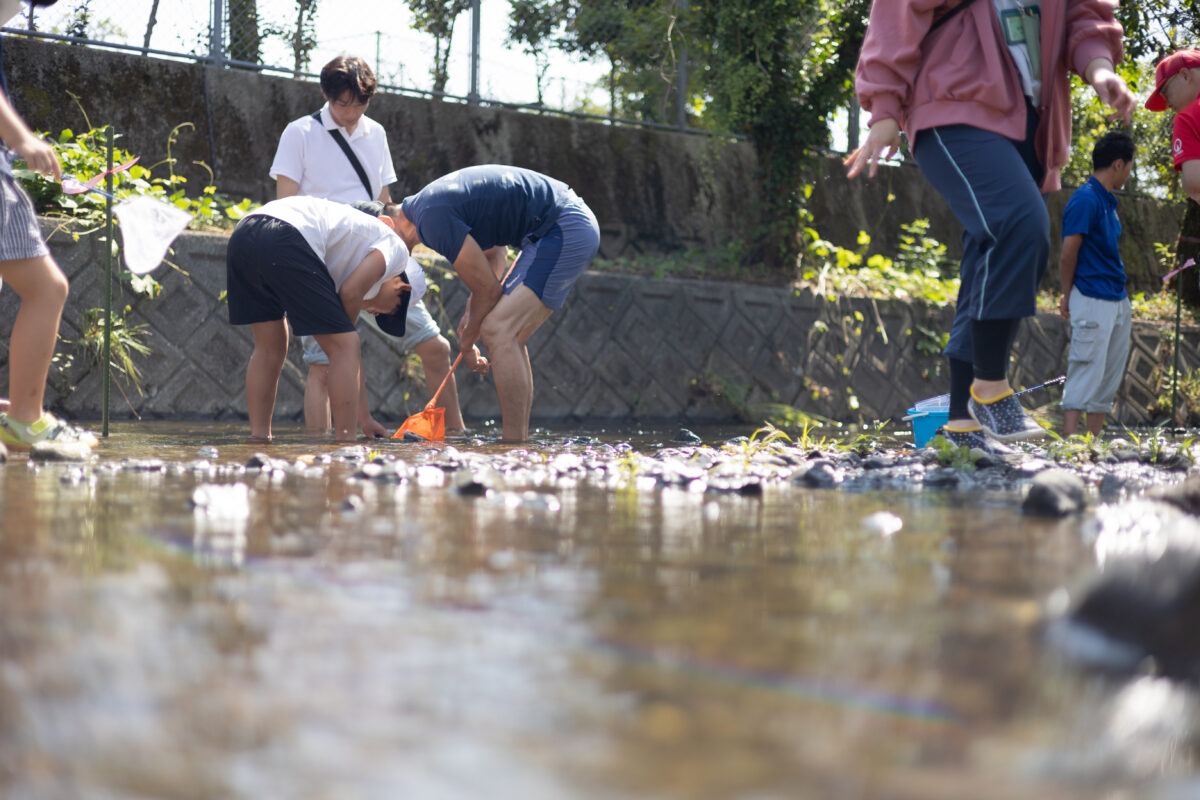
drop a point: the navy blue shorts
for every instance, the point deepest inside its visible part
(271, 272)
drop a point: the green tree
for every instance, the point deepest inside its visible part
(641, 41)
(775, 71)
(437, 18)
(535, 26)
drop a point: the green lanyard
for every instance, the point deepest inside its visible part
(1023, 25)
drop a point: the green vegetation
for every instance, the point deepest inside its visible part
(84, 155)
(126, 341)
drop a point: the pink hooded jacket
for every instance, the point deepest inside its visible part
(962, 73)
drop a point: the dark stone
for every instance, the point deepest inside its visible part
(943, 478)
(820, 475)
(878, 462)
(3, 453)
(409, 436)
(265, 462)
(471, 489)
(1152, 605)
(1185, 495)
(1054, 493)
(1111, 486)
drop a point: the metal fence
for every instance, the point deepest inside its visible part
(606, 59)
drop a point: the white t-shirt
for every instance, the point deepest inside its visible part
(340, 235)
(308, 155)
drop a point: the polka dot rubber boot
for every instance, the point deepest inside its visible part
(1003, 418)
(975, 439)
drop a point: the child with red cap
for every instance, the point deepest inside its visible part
(1176, 86)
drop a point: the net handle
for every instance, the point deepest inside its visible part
(433, 400)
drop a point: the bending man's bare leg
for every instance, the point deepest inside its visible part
(505, 331)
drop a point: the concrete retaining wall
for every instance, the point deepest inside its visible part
(652, 191)
(622, 348)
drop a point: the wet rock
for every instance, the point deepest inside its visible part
(943, 478)
(352, 505)
(1054, 493)
(1033, 466)
(369, 471)
(409, 436)
(266, 463)
(1148, 609)
(354, 452)
(471, 488)
(820, 475)
(1126, 454)
(1184, 496)
(60, 451)
(736, 441)
(1111, 486)
(878, 462)
(1175, 462)
(208, 452)
(143, 465)
(882, 523)
(686, 436)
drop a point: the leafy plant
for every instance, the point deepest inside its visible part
(126, 341)
(84, 155)
(952, 455)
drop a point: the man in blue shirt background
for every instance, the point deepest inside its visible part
(1093, 286)
(471, 217)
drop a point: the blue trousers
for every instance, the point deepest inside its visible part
(991, 183)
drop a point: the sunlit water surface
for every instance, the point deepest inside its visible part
(313, 635)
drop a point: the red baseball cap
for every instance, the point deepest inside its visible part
(1180, 59)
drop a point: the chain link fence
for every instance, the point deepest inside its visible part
(620, 60)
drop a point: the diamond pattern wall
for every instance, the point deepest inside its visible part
(620, 348)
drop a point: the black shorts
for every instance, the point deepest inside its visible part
(271, 272)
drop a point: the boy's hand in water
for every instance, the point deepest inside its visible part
(884, 135)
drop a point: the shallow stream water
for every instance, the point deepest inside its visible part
(545, 623)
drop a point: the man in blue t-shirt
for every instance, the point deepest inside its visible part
(471, 217)
(1093, 285)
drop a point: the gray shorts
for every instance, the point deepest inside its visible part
(418, 328)
(20, 236)
(1100, 333)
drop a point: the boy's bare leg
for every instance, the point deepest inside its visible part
(435, 357)
(1095, 423)
(1071, 421)
(505, 331)
(262, 374)
(316, 398)
(345, 362)
(43, 291)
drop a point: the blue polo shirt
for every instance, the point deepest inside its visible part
(1092, 212)
(495, 204)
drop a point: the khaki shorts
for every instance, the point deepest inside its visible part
(1100, 333)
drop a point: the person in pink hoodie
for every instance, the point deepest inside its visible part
(980, 89)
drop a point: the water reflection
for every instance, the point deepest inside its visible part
(536, 624)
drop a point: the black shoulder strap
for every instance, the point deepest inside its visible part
(354, 162)
(937, 23)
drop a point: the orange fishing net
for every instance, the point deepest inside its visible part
(429, 424)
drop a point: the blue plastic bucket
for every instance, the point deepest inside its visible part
(925, 424)
(927, 416)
